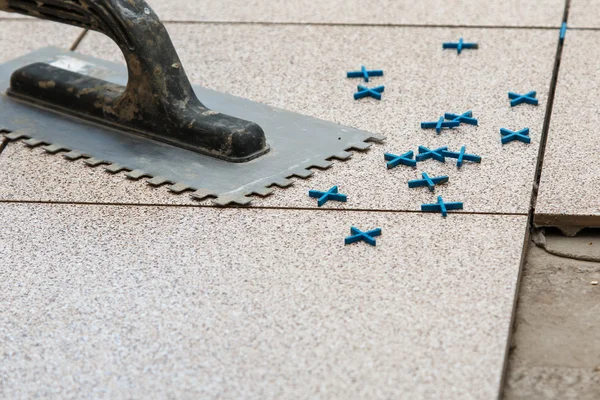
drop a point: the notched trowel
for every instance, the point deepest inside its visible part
(147, 120)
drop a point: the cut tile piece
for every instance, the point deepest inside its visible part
(23, 36)
(205, 303)
(584, 14)
(425, 83)
(385, 12)
(568, 193)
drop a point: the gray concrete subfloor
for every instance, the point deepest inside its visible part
(555, 352)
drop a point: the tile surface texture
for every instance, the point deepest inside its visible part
(303, 70)
(568, 192)
(145, 302)
(385, 12)
(21, 37)
(584, 14)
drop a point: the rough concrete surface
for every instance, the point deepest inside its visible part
(384, 12)
(155, 302)
(422, 84)
(555, 344)
(568, 194)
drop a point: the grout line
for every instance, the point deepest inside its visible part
(3, 143)
(78, 40)
(349, 24)
(115, 204)
(534, 193)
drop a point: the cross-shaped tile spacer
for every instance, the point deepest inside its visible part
(465, 118)
(517, 99)
(364, 73)
(366, 92)
(508, 135)
(394, 160)
(437, 154)
(324, 197)
(442, 207)
(358, 235)
(460, 45)
(427, 181)
(461, 156)
(439, 125)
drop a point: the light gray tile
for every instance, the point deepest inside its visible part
(584, 14)
(568, 193)
(144, 302)
(21, 37)
(426, 12)
(303, 69)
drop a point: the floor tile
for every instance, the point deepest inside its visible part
(584, 14)
(126, 301)
(568, 187)
(427, 12)
(21, 37)
(422, 82)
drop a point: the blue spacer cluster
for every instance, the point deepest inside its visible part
(363, 91)
(454, 121)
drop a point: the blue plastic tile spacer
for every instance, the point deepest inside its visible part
(426, 154)
(439, 125)
(324, 197)
(406, 159)
(508, 135)
(364, 73)
(528, 98)
(427, 181)
(369, 92)
(462, 156)
(460, 45)
(442, 207)
(563, 31)
(465, 118)
(358, 235)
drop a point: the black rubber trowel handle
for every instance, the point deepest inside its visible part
(158, 101)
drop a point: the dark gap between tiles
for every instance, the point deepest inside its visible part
(77, 41)
(83, 203)
(534, 193)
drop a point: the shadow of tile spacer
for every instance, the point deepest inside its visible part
(324, 197)
(369, 92)
(464, 118)
(460, 45)
(427, 181)
(442, 207)
(358, 236)
(406, 159)
(364, 73)
(426, 154)
(509, 136)
(461, 156)
(517, 99)
(439, 125)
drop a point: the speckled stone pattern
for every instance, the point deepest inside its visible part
(425, 12)
(156, 302)
(584, 14)
(422, 82)
(570, 180)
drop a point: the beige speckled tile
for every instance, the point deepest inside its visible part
(303, 69)
(155, 302)
(568, 193)
(584, 14)
(21, 37)
(425, 12)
